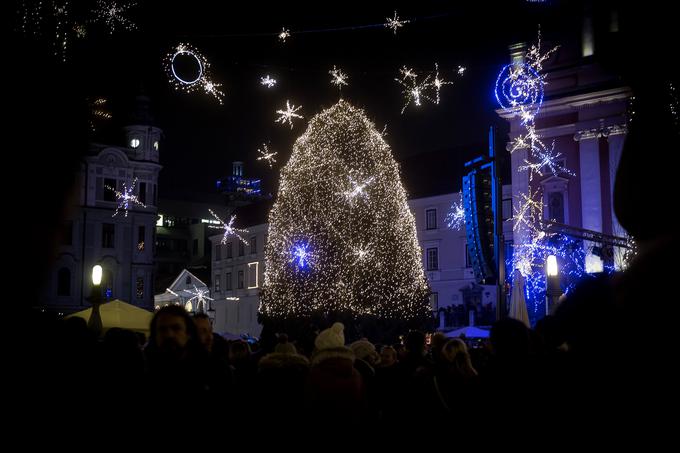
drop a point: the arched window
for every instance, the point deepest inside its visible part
(64, 282)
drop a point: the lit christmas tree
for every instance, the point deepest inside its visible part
(342, 240)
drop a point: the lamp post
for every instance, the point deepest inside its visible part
(553, 289)
(95, 321)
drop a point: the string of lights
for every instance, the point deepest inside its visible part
(389, 23)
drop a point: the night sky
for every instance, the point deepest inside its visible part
(202, 138)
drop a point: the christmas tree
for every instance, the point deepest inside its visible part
(342, 241)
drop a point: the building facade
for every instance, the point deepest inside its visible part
(182, 231)
(238, 273)
(100, 230)
(585, 115)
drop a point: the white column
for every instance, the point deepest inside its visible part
(591, 191)
(616, 138)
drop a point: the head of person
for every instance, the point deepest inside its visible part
(204, 330)
(172, 329)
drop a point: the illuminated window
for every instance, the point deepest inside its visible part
(134, 143)
(155, 145)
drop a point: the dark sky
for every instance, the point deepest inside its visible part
(203, 137)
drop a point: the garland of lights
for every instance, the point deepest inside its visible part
(342, 237)
(519, 88)
(201, 81)
(61, 13)
(31, 17)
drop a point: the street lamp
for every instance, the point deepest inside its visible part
(553, 289)
(95, 321)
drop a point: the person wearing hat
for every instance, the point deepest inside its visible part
(335, 389)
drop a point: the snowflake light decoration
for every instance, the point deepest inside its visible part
(339, 78)
(394, 23)
(455, 218)
(267, 155)
(284, 34)
(228, 228)
(267, 81)
(112, 15)
(125, 197)
(288, 114)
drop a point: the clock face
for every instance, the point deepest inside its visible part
(134, 143)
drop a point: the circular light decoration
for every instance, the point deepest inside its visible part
(190, 84)
(519, 85)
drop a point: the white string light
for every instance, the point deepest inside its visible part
(125, 197)
(228, 228)
(267, 81)
(339, 78)
(394, 23)
(266, 155)
(202, 80)
(112, 14)
(288, 114)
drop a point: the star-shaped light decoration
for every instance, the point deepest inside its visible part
(267, 81)
(288, 114)
(228, 228)
(394, 23)
(112, 14)
(126, 197)
(339, 78)
(267, 155)
(284, 34)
